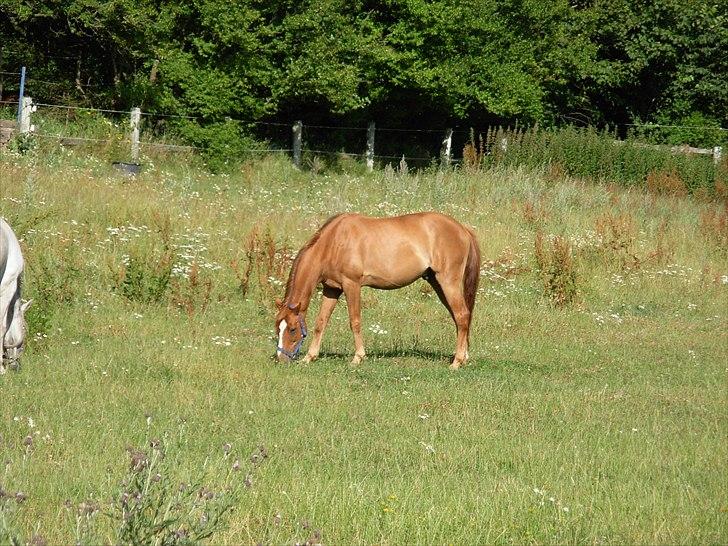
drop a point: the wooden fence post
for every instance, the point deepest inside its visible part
(370, 146)
(136, 114)
(717, 154)
(25, 110)
(446, 149)
(297, 135)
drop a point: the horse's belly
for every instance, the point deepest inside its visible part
(399, 270)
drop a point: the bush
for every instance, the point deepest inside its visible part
(599, 155)
(223, 144)
(555, 266)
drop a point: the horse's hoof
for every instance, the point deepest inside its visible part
(455, 366)
(308, 359)
(356, 360)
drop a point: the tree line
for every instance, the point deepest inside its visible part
(413, 63)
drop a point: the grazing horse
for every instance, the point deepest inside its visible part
(12, 309)
(350, 251)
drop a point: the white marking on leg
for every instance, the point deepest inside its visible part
(281, 328)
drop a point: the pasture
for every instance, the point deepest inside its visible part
(592, 410)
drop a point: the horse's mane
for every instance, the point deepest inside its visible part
(312, 241)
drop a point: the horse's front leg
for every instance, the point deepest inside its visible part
(328, 302)
(353, 303)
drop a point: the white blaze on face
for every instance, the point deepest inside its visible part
(281, 328)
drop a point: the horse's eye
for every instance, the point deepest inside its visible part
(292, 330)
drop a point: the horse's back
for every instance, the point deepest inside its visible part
(394, 251)
(11, 258)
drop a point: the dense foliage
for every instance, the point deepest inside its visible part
(411, 62)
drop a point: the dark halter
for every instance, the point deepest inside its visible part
(297, 349)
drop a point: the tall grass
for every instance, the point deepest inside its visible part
(591, 153)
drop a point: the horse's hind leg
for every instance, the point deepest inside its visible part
(432, 280)
(353, 303)
(452, 290)
(328, 302)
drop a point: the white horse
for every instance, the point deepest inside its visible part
(12, 308)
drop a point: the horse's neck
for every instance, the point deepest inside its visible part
(306, 275)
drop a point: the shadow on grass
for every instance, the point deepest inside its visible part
(393, 353)
(432, 359)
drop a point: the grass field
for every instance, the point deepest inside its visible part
(600, 421)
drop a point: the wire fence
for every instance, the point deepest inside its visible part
(60, 122)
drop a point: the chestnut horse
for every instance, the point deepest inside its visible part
(350, 251)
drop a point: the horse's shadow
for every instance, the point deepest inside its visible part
(392, 353)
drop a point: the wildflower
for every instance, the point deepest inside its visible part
(20, 497)
(28, 441)
(428, 447)
(226, 448)
(124, 499)
(206, 494)
(139, 460)
(87, 508)
(38, 540)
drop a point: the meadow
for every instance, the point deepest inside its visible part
(593, 409)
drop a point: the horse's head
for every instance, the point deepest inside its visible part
(291, 330)
(14, 341)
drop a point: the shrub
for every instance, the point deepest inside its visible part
(617, 233)
(266, 261)
(146, 274)
(666, 183)
(599, 155)
(192, 294)
(714, 225)
(555, 267)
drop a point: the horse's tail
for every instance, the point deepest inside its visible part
(472, 272)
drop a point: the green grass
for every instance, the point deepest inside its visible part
(614, 407)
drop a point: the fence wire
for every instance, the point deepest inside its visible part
(331, 136)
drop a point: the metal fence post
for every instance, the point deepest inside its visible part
(20, 97)
(717, 154)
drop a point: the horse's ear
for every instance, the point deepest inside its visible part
(295, 308)
(279, 303)
(24, 306)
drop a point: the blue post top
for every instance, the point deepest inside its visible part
(20, 95)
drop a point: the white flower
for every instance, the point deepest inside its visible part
(428, 447)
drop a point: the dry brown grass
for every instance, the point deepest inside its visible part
(618, 234)
(714, 225)
(556, 269)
